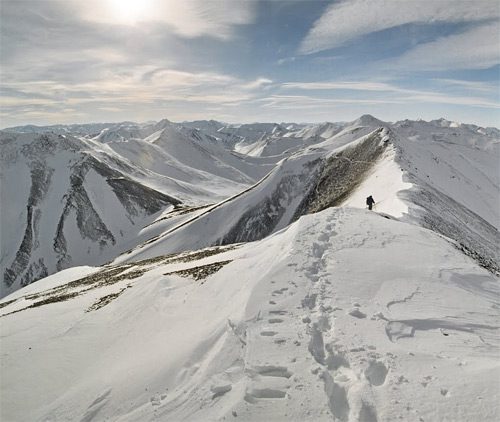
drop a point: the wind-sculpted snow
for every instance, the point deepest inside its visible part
(454, 171)
(321, 321)
(326, 312)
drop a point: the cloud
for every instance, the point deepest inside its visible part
(140, 87)
(477, 48)
(286, 102)
(378, 92)
(479, 86)
(348, 20)
(259, 83)
(59, 56)
(354, 86)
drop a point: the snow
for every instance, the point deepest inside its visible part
(345, 314)
(384, 183)
(457, 161)
(298, 330)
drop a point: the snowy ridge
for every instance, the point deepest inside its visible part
(298, 331)
(305, 182)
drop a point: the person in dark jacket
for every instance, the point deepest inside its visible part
(370, 201)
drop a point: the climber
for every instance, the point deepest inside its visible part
(370, 201)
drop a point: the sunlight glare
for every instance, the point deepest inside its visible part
(132, 11)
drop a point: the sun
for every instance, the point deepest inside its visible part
(131, 11)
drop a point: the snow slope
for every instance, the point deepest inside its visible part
(461, 162)
(320, 321)
(365, 157)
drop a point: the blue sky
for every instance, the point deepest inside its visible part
(244, 61)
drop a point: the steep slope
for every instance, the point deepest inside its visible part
(320, 321)
(450, 183)
(459, 162)
(412, 177)
(63, 207)
(308, 181)
(194, 149)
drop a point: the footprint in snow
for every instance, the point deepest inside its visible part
(268, 333)
(376, 373)
(355, 312)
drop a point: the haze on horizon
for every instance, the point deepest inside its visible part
(244, 61)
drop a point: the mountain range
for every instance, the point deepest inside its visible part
(212, 271)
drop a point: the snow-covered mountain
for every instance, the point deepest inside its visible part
(61, 207)
(451, 188)
(72, 200)
(245, 279)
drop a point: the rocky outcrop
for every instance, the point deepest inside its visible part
(342, 173)
(40, 181)
(321, 183)
(262, 219)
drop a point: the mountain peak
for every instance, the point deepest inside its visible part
(368, 120)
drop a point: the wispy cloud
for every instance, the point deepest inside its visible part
(140, 87)
(89, 60)
(284, 102)
(477, 48)
(354, 86)
(381, 91)
(479, 86)
(348, 20)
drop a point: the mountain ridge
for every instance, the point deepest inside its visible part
(182, 162)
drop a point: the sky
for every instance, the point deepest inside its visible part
(78, 61)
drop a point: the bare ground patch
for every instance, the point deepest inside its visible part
(201, 272)
(62, 293)
(103, 301)
(114, 274)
